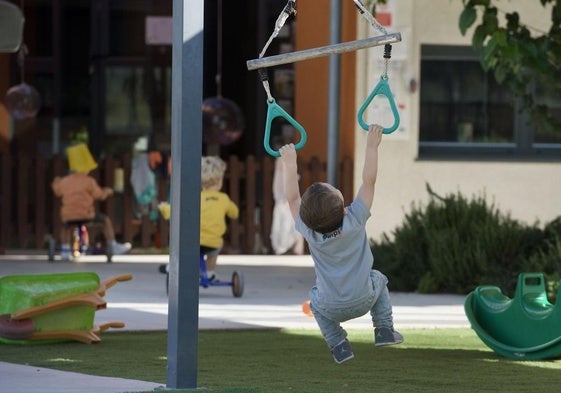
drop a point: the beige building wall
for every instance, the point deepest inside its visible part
(529, 191)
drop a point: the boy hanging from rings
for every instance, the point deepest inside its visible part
(347, 286)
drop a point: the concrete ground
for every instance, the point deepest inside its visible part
(274, 289)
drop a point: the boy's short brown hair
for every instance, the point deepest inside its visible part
(321, 209)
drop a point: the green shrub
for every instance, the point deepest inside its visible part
(454, 244)
(547, 259)
(404, 258)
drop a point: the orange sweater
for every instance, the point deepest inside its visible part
(78, 192)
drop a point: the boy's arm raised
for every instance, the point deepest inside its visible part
(370, 170)
(291, 189)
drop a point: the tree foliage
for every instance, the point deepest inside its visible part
(517, 54)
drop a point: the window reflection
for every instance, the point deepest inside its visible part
(127, 109)
(464, 112)
(138, 103)
(548, 96)
(462, 103)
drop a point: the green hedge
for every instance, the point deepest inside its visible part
(454, 244)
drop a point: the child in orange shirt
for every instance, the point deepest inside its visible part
(78, 192)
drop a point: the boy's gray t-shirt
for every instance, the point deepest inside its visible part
(342, 259)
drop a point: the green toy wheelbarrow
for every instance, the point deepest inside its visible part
(53, 307)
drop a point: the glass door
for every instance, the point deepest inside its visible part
(132, 75)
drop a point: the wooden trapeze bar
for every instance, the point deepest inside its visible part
(313, 53)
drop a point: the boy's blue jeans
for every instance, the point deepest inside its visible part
(329, 318)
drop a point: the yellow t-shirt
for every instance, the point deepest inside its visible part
(215, 207)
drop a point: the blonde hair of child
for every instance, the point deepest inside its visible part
(212, 171)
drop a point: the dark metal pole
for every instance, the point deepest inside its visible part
(186, 145)
(334, 93)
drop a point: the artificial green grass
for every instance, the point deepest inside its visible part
(279, 361)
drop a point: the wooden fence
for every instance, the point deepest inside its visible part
(29, 212)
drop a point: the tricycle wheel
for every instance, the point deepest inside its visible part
(237, 284)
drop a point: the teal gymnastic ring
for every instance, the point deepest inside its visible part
(274, 111)
(382, 88)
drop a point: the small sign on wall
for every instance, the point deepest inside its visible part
(159, 30)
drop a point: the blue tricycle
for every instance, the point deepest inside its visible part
(237, 282)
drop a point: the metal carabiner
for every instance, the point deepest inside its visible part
(273, 112)
(382, 88)
(289, 9)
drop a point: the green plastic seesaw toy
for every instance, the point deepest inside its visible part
(525, 327)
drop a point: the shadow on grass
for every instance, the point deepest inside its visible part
(265, 361)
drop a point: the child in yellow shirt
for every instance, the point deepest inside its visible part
(215, 207)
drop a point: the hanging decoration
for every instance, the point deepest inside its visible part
(223, 121)
(22, 101)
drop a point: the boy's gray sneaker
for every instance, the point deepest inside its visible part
(386, 336)
(342, 352)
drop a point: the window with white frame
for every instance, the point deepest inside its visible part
(464, 112)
